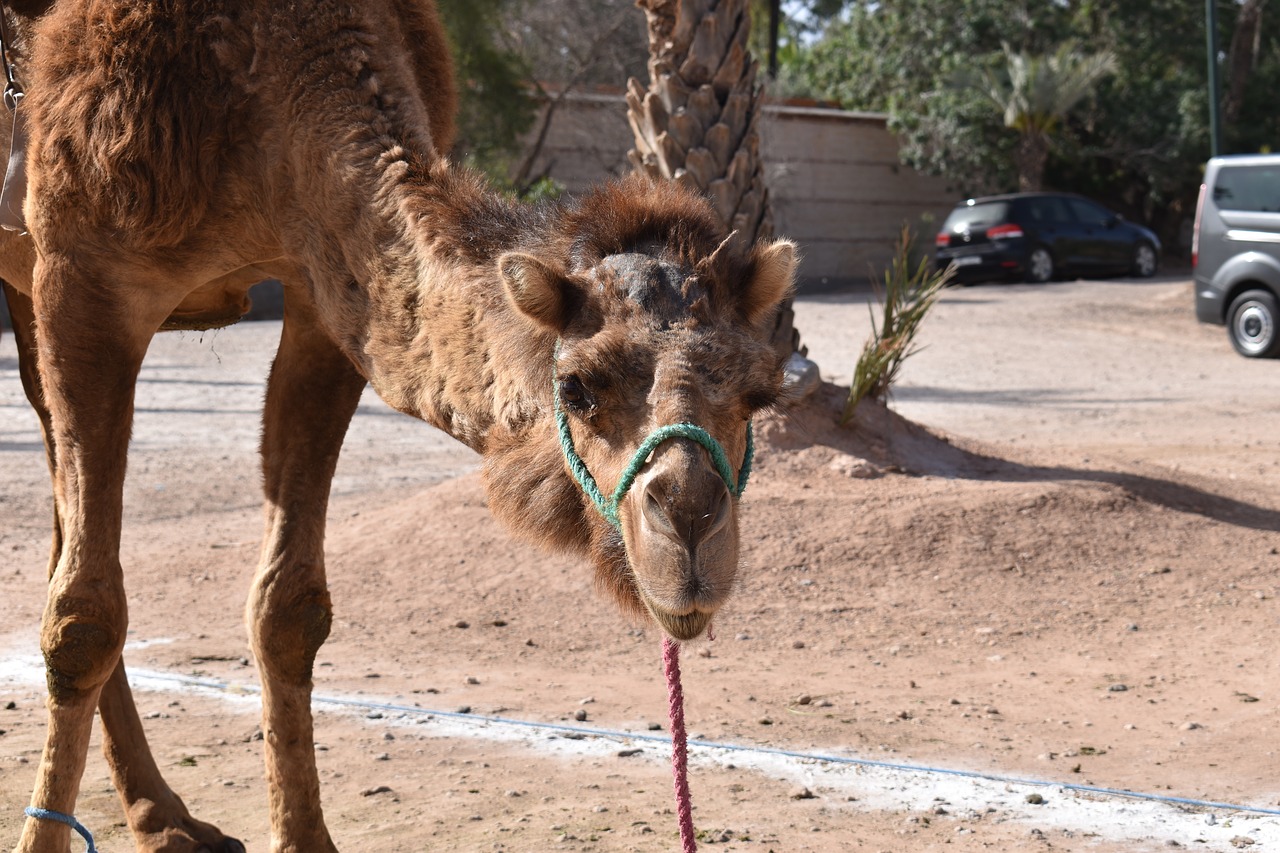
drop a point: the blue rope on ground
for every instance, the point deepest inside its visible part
(49, 814)
(731, 747)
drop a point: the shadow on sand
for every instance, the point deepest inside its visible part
(892, 442)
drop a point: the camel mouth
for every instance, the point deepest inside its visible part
(680, 626)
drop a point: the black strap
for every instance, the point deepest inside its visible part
(12, 89)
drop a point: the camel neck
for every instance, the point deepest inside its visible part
(424, 313)
(398, 248)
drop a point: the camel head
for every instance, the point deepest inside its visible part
(659, 320)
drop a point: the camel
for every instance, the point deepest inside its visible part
(180, 152)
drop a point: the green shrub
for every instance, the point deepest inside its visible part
(909, 293)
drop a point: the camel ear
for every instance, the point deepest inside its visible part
(773, 270)
(538, 291)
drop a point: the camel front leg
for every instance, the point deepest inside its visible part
(89, 351)
(312, 394)
(157, 816)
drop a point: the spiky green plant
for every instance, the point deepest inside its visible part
(907, 297)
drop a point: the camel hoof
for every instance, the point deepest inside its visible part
(228, 845)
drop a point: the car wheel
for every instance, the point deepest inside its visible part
(1251, 323)
(1145, 262)
(1039, 265)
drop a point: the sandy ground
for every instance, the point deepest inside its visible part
(1067, 577)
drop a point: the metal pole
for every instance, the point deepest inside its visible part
(1211, 39)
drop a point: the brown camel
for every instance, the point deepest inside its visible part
(181, 151)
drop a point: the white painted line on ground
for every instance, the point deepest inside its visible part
(875, 788)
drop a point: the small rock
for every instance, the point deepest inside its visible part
(1132, 626)
(765, 721)
(1242, 841)
(11, 706)
(704, 652)
(588, 701)
(655, 727)
(499, 623)
(464, 709)
(804, 699)
(1190, 726)
(471, 679)
(743, 637)
(1118, 688)
(462, 623)
(1035, 799)
(373, 715)
(380, 789)
(802, 793)
(627, 753)
(580, 715)
(531, 643)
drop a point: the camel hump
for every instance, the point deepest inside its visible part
(130, 106)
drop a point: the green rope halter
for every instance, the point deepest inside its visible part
(609, 506)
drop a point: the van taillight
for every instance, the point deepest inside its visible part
(1004, 232)
(942, 240)
(1195, 230)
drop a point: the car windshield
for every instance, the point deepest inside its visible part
(971, 217)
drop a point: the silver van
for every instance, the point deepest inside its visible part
(1235, 251)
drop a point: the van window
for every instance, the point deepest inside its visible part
(1248, 188)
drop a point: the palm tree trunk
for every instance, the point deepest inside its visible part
(696, 122)
(1029, 158)
(1242, 58)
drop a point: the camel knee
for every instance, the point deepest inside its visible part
(80, 652)
(287, 627)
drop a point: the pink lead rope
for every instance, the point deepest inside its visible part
(679, 744)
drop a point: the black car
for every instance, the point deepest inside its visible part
(1038, 236)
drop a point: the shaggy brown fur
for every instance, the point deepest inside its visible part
(181, 151)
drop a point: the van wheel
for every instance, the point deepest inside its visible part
(1145, 263)
(1251, 323)
(1039, 265)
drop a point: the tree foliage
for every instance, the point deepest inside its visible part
(495, 104)
(1138, 142)
(1036, 93)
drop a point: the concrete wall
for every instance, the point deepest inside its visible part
(834, 177)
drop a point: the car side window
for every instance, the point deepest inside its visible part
(1248, 188)
(1088, 214)
(1046, 210)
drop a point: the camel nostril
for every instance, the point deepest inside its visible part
(717, 514)
(688, 525)
(656, 514)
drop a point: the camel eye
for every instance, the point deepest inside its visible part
(575, 395)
